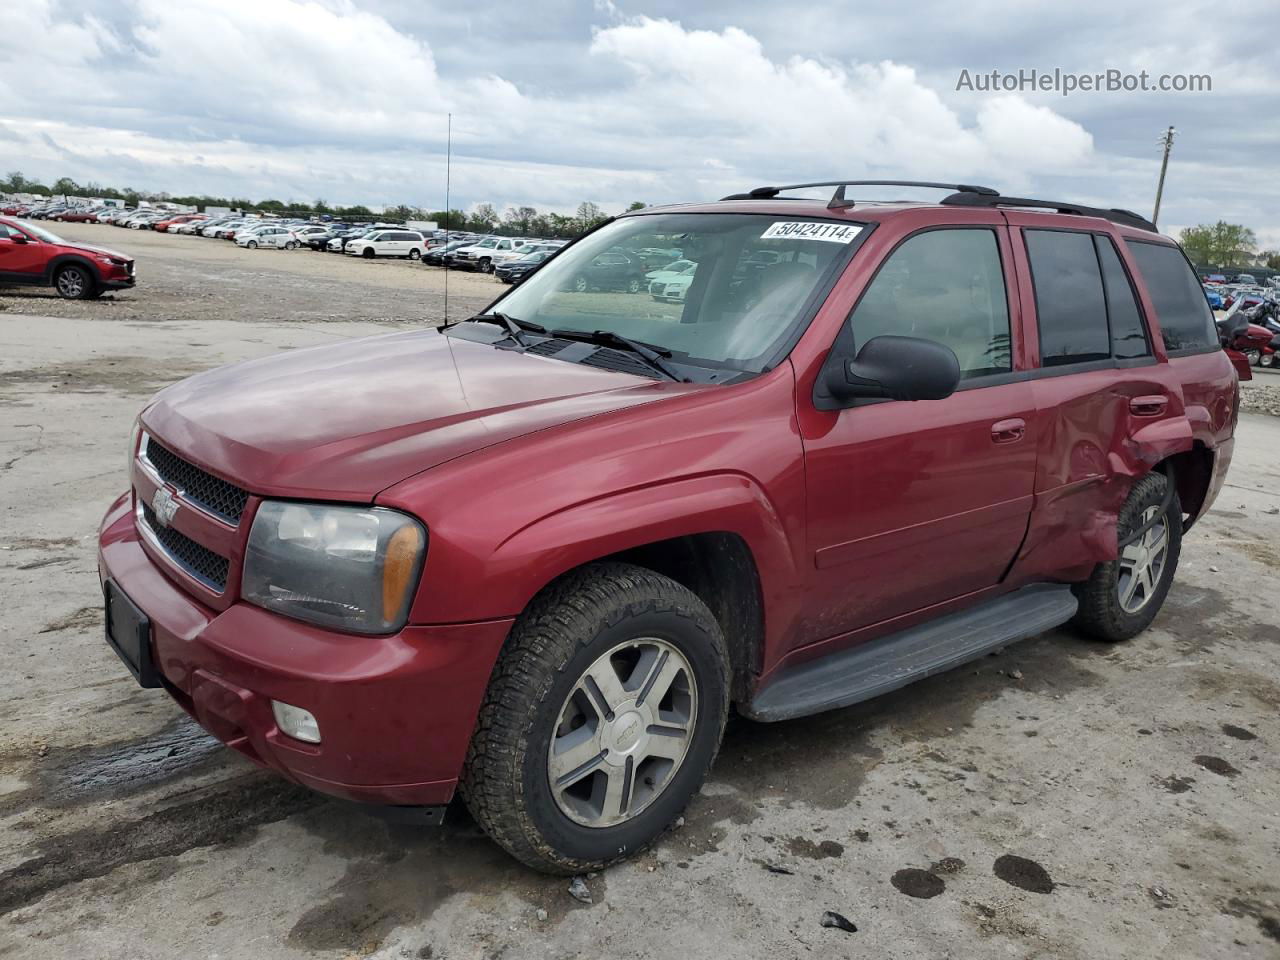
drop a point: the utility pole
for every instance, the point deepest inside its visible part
(1167, 142)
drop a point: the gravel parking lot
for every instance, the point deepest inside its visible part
(195, 278)
(1061, 799)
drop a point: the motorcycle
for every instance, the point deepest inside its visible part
(1263, 313)
(1234, 335)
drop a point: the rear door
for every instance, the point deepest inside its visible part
(1105, 402)
(912, 504)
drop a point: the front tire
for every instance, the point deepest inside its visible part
(368, 253)
(1122, 597)
(602, 717)
(252, 244)
(73, 282)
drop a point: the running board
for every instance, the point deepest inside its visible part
(889, 663)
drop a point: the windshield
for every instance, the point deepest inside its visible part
(751, 278)
(40, 233)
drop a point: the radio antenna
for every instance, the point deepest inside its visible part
(444, 257)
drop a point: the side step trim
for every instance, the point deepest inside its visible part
(889, 663)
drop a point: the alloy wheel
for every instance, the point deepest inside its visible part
(1142, 563)
(71, 283)
(622, 732)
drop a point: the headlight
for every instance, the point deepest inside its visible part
(349, 568)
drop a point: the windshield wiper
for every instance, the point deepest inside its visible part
(607, 338)
(515, 328)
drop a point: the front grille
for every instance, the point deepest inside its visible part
(201, 562)
(218, 497)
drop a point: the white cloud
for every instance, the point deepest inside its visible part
(303, 98)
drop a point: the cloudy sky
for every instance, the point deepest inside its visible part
(559, 101)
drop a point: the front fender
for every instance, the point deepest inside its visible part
(503, 583)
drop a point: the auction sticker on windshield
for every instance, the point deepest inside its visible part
(804, 230)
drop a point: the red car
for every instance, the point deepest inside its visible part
(77, 216)
(32, 256)
(164, 225)
(536, 555)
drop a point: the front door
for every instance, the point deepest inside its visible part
(916, 503)
(18, 259)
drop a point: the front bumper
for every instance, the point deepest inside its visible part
(117, 282)
(396, 713)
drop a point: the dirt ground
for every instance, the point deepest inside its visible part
(194, 278)
(1062, 799)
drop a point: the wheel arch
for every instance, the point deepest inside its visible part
(1192, 474)
(718, 535)
(56, 263)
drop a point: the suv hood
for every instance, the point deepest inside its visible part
(345, 421)
(88, 248)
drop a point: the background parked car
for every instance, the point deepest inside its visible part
(484, 254)
(513, 271)
(168, 223)
(672, 286)
(389, 243)
(615, 269)
(33, 256)
(278, 238)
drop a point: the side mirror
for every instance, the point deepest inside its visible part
(898, 368)
(18, 237)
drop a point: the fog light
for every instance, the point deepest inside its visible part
(296, 722)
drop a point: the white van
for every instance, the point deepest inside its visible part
(389, 243)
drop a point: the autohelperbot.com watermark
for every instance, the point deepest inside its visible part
(1066, 82)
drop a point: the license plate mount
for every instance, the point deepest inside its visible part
(128, 632)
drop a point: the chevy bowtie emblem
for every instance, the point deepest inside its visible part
(164, 505)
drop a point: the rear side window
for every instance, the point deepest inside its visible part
(1070, 304)
(946, 286)
(1185, 318)
(1128, 336)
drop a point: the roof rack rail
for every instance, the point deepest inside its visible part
(966, 195)
(838, 198)
(965, 198)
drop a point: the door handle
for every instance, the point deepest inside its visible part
(1008, 431)
(1152, 406)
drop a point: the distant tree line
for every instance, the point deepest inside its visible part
(483, 217)
(1225, 244)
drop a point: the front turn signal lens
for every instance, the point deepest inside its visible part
(399, 572)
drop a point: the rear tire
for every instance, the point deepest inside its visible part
(1118, 601)
(580, 284)
(73, 282)
(415, 254)
(633, 285)
(637, 625)
(291, 245)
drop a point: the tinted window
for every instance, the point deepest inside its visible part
(1185, 318)
(1070, 306)
(1128, 337)
(946, 286)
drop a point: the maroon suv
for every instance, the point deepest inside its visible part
(33, 256)
(537, 555)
